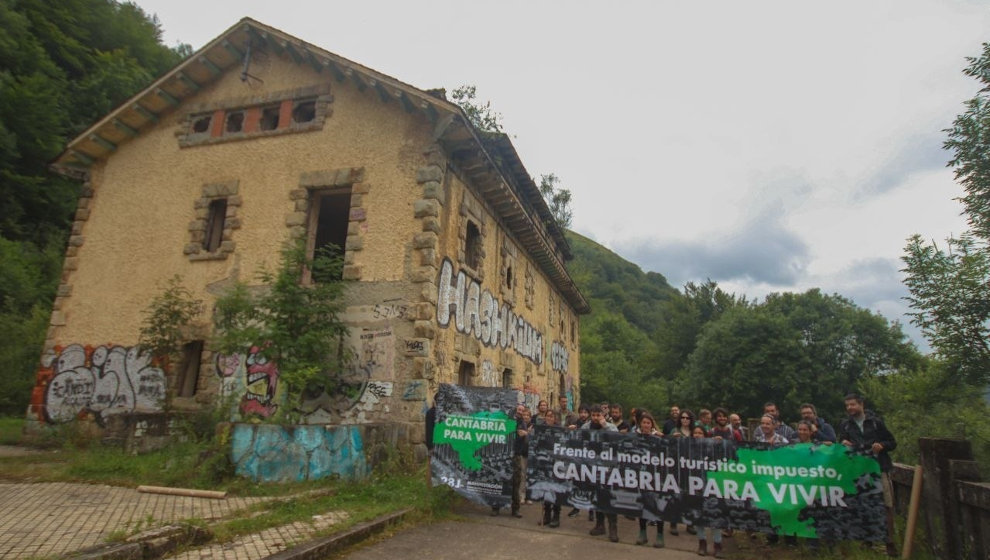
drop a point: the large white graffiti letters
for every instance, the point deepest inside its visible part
(103, 380)
(478, 312)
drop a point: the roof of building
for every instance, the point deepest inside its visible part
(489, 159)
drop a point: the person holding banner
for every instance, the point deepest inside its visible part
(520, 452)
(685, 428)
(863, 430)
(647, 427)
(551, 510)
(598, 422)
(716, 534)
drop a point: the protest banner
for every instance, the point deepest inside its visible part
(804, 490)
(473, 434)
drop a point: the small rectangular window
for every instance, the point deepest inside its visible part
(465, 373)
(188, 373)
(215, 220)
(235, 122)
(269, 117)
(507, 379)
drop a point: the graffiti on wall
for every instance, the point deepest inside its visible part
(477, 312)
(559, 357)
(252, 380)
(489, 377)
(357, 395)
(531, 397)
(103, 380)
(270, 453)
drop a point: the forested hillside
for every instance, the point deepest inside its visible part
(62, 66)
(648, 344)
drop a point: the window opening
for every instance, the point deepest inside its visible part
(573, 338)
(202, 124)
(507, 379)
(269, 118)
(472, 246)
(192, 353)
(508, 277)
(330, 214)
(304, 111)
(214, 224)
(235, 122)
(465, 373)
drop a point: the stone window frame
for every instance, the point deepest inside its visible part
(195, 249)
(509, 270)
(192, 131)
(298, 220)
(472, 212)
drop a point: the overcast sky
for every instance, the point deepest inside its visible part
(769, 146)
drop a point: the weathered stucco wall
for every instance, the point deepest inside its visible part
(144, 206)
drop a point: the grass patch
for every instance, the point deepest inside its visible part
(11, 428)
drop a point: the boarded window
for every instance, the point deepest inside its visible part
(188, 373)
(328, 219)
(215, 220)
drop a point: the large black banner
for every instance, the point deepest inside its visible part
(805, 490)
(472, 442)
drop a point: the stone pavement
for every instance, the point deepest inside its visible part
(265, 543)
(54, 519)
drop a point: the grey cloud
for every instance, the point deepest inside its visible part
(762, 251)
(921, 152)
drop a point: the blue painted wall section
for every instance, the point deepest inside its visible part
(271, 453)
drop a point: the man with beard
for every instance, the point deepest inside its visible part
(722, 429)
(865, 431)
(821, 431)
(670, 424)
(782, 429)
(598, 422)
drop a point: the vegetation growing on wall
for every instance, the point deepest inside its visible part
(295, 325)
(167, 319)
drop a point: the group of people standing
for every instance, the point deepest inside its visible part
(861, 430)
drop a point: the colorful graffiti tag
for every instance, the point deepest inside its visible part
(252, 377)
(103, 380)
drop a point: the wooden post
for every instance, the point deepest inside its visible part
(912, 519)
(941, 504)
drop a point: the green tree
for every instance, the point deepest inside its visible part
(558, 199)
(949, 292)
(62, 66)
(296, 325)
(482, 115)
(676, 335)
(167, 318)
(793, 348)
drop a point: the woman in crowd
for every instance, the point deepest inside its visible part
(685, 428)
(684, 425)
(716, 534)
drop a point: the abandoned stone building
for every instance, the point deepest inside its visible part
(453, 264)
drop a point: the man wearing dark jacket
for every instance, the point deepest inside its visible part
(865, 431)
